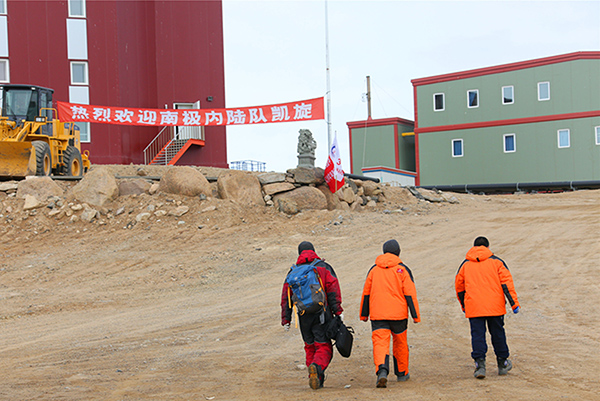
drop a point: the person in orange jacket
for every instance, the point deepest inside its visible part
(482, 283)
(389, 293)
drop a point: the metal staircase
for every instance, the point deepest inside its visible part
(171, 143)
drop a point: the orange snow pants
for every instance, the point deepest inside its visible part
(382, 331)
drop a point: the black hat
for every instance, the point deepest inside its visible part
(392, 246)
(305, 246)
(481, 241)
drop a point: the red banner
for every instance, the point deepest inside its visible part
(304, 110)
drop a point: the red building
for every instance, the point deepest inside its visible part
(135, 53)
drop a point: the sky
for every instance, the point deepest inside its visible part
(275, 52)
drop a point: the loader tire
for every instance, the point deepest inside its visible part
(72, 164)
(43, 159)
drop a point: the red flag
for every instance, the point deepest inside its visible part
(334, 175)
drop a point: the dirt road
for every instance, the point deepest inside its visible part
(188, 308)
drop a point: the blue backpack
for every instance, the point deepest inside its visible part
(306, 288)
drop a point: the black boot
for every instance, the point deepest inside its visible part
(314, 372)
(382, 378)
(479, 368)
(504, 365)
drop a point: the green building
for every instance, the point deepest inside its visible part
(532, 123)
(384, 149)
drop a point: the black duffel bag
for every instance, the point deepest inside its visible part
(341, 334)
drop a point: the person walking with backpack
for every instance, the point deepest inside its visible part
(482, 283)
(313, 288)
(388, 296)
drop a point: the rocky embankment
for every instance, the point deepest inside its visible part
(106, 194)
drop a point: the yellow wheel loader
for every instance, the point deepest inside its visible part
(32, 139)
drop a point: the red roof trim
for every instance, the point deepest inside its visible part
(507, 67)
(379, 122)
(514, 121)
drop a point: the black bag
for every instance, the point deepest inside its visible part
(341, 334)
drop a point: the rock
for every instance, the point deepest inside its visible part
(371, 203)
(151, 208)
(208, 209)
(346, 194)
(74, 218)
(241, 187)
(31, 202)
(153, 188)
(141, 172)
(371, 188)
(96, 188)
(271, 178)
(352, 185)
(332, 200)
(88, 213)
(344, 206)
(9, 186)
(160, 213)
(270, 189)
(179, 211)
(449, 198)
(40, 187)
(120, 210)
(307, 176)
(184, 181)
(54, 212)
(135, 186)
(142, 217)
(430, 196)
(76, 207)
(287, 206)
(305, 198)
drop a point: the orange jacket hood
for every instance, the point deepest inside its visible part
(387, 260)
(479, 253)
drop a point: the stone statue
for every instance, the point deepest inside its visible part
(306, 149)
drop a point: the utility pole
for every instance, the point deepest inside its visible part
(368, 97)
(329, 140)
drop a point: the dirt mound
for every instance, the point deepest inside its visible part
(184, 304)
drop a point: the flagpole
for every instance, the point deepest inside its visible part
(328, 78)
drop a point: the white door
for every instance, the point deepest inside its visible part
(188, 132)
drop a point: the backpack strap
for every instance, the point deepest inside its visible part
(322, 289)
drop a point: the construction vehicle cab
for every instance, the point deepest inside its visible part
(33, 141)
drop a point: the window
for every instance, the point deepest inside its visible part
(457, 148)
(4, 72)
(2, 6)
(508, 94)
(84, 131)
(510, 144)
(79, 73)
(473, 98)
(543, 91)
(597, 135)
(564, 138)
(76, 8)
(438, 102)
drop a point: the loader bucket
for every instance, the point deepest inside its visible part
(17, 159)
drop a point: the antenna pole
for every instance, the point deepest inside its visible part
(329, 140)
(368, 97)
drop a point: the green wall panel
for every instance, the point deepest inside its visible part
(537, 157)
(376, 146)
(373, 146)
(574, 87)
